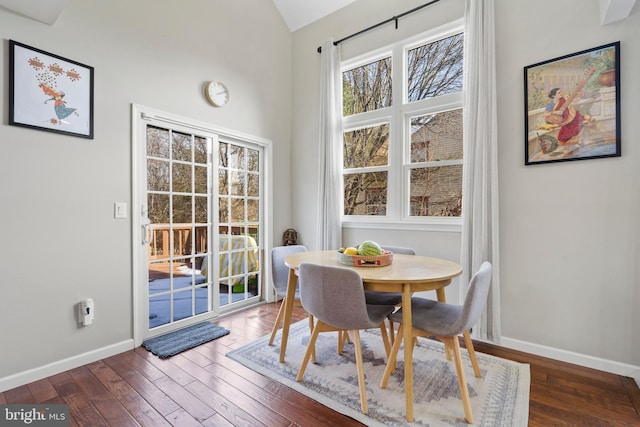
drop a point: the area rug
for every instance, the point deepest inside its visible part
(170, 344)
(499, 398)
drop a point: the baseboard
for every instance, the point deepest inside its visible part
(26, 377)
(575, 358)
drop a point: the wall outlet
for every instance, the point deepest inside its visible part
(86, 312)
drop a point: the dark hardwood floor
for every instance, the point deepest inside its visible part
(203, 387)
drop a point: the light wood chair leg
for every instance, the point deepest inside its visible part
(447, 352)
(360, 365)
(276, 325)
(391, 363)
(343, 337)
(462, 381)
(310, 349)
(313, 354)
(392, 332)
(385, 339)
(472, 354)
(323, 327)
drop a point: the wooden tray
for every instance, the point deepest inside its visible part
(366, 261)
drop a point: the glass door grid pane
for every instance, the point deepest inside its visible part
(178, 196)
(238, 223)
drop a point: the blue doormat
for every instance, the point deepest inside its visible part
(170, 344)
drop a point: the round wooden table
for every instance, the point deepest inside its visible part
(406, 274)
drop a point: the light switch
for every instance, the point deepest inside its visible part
(120, 210)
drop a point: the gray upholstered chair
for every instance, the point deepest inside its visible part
(446, 322)
(399, 250)
(280, 276)
(335, 297)
(388, 298)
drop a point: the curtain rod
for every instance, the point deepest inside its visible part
(392, 19)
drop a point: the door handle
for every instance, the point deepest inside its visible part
(146, 234)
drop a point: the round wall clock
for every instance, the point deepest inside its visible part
(217, 93)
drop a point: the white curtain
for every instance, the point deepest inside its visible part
(329, 228)
(480, 173)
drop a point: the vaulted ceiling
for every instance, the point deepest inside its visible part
(296, 13)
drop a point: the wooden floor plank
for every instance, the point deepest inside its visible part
(114, 413)
(232, 410)
(42, 390)
(19, 395)
(307, 411)
(202, 386)
(180, 418)
(224, 392)
(81, 408)
(139, 408)
(631, 387)
(144, 388)
(188, 401)
(217, 420)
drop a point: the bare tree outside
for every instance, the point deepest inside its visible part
(367, 88)
(238, 190)
(177, 189)
(433, 69)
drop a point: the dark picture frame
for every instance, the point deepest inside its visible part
(572, 106)
(48, 92)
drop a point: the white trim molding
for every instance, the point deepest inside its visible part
(606, 365)
(35, 374)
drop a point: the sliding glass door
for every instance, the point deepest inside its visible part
(199, 203)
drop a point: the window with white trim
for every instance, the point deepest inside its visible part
(402, 140)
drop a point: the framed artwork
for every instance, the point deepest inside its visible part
(572, 106)
(49, 92)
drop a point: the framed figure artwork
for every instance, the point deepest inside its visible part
(49, 92)
(572, 106)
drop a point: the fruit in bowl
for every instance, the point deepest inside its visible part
(370, 248)
(366, 254)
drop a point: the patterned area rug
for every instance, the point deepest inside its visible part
(499, 398)
(170, 344)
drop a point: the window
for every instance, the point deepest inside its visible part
(402, 121)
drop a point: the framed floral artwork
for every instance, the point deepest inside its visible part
(49, 92)
(572, 106)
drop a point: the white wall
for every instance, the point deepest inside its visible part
(569, 231)
(60, 242)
